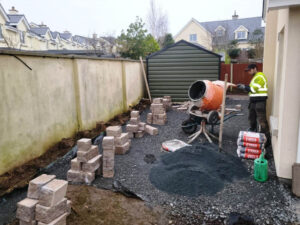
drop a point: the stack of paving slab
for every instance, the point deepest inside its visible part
(167, 102)
(136, 128)
(122, 141)
(158, 113)
(45, 203)
(87, 163)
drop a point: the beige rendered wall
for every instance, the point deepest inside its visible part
(57, 98)
(203, 36)
(281, 65)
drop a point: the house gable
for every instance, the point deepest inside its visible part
(195, 33)
(3, 16)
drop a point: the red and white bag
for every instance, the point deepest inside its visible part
(252, 137)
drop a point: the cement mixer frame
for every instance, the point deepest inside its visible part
(204, 109)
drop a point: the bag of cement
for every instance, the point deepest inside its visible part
(250, 145)
(247, 155)
(173, 145)
(252, 137)
(249, 150)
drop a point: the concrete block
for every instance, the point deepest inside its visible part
(134, 114)
(139, 134)
(130, 135)
(132, 128)
(88, 155)
(88, 177)
(121, 150)
(167, 97)
(92, 165)
(157, 106)
(151, 130)
(36, 184)
(158, 110)
(113, 131)
(142, 126)
(76, 164)
(74, 176)
(108, 154)
(159, 122)
(134, 121)
(22, 222)
(108, 141)
(26, 209)
(108, 163)
(62, 220)
(108, 173)
(84, 144)
(53, 192)
(47, 214)
(122, 139)
(182, 109)
(149, 118)
(161, 116)
(157, 100)
(69, 207)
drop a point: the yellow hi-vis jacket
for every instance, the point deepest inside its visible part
(258, 85)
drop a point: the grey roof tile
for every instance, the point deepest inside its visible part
(230, 26)
(65, 36)
(39, 30)
(15, 18)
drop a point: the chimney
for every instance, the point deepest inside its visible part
(94, 36)
(42, 25)
(13, 10)
(235, 16)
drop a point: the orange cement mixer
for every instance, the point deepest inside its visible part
(206, 95)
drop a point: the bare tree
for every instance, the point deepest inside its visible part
(157, 22)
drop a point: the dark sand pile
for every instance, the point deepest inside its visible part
(196, 170)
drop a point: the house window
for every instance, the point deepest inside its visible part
(22, 39)
(193, 37)
(219, 33)
(241, 35)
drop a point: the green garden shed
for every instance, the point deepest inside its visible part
(173, 69)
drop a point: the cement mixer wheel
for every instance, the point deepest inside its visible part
(213, 117)
(189, 126)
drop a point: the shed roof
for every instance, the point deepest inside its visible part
(198, 46)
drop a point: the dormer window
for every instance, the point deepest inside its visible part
(220, 31)
(193, 37)
(241, 33)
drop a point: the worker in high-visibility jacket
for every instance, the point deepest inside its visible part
(258, 93)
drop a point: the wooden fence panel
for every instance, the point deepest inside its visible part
(240, 76)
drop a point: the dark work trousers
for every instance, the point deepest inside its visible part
(257, 113)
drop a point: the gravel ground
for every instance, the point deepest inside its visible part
(266, 203)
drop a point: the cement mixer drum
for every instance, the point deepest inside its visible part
(206, 95)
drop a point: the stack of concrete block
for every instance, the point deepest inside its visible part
(167, 102)
(108, 145)
(135, 127)
(158, 113)
(122, 141)
(88, 161)
(45, 202)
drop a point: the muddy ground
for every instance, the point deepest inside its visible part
(253, 202)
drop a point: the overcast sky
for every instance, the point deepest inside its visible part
(109, 17)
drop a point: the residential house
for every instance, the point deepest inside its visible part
(17, 33)
(217, 35)
(282, 66)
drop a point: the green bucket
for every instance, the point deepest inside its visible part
(261, 168)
